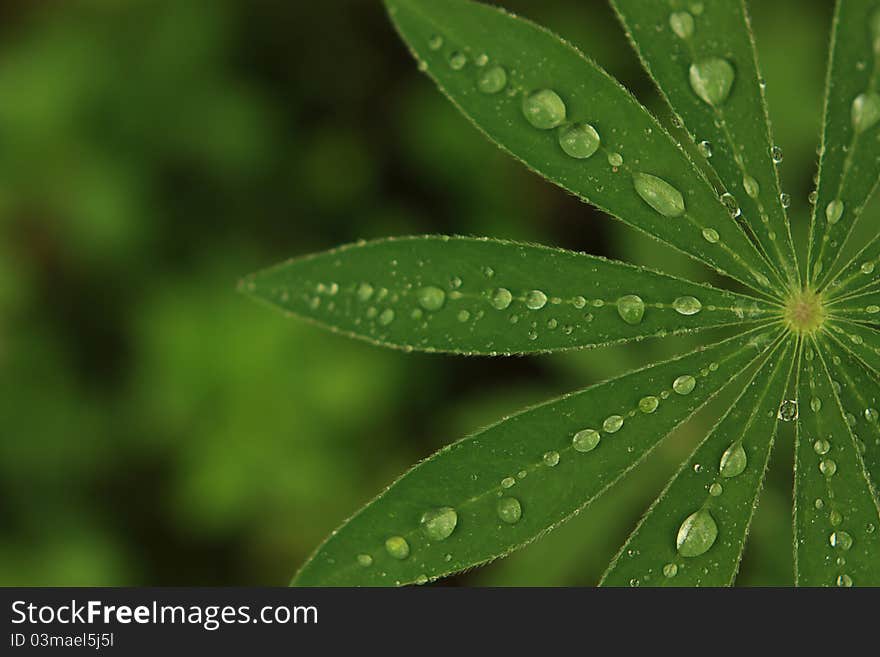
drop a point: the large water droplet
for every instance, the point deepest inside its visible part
(670, 570)
(509, 510)
(844, 581)
(821, 446)
(544, 109)
(687, 305)
(612, 424)
(492, 80)
(397, 547)
(438, 524)
(579, 140)
(631, 309)
(865, 111)
(828, 467)
(536, 300)
(648, 404)
(431, 298)
(659, 194)
(684, 385)
(840, 539)
(696, 534)
(733, 461)
(586, 440)
(711, 79)
(501, 298)
(833, 211)
(788, 410)
(551, 459)
(682, 23)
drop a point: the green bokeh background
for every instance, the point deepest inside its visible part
(158, 428)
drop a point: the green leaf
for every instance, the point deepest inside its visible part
(861, 274)
(860, 307)
(695, 532)
(706, 67)
(836, 515)
(474, 296)
(541, 100)
(486, 495)
(848, 166)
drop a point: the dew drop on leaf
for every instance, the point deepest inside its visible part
(872, 415)
(776, 154)
(585, 440)
(682, 23)
(670, 570)
(648, 404)
(579, 140)
(435, 42)
(659, 194)
(492, 80)
(687, 305)
(751, 186)
(631, 309)
(509, 510)
(684, 385)
(501, 298)
(386, 317)
(844, 581)
(696, 534)
(551, 459)
(828, 467)
(865, 111)
(438, 524)
(397, 547)
(612, 424)
(788, 410)
(457, 61)
(711, 79)
(821, 447)
(716, 489)
(733, 461)
(544, 109)
(711, 235)
(431, 298)
(536, 299)
(615, 159)
(840, 539)
(834, 211)
(365, 560)
(816, 404)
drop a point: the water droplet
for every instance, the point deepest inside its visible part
(833, 211)
(659, 194)
(631, 308)
(421, 579)
(457, 61)
(835, 518)
(397, 547)
(715, 489)
(492, 80)
(872, 309)
(431, 298)
(438, 524)
(687, 305)
(828, 467)
(586, 440)
(785, 199)
(544, 109)
(386, 317)
(788, 410)
(840, 539)
(821, 447)
(615, 159)
(365, 560)
(364, 292)
(711, 79)
(501, 298)
(867, 268)
(648, 404)
(536, 300)
(579, 140)
(551, 459)
(776, 154)
(670, 570)
(865, 111)
(816, 404)
(684, 385)
(508, 482)
(435, 42)
(819, 503)
(751, 186)
(711, 235)
(733, 461)
(509, 510)
(696, 534)
(682, 23)
(705, 149)
(844, 581)
(612, 424)
(872, 415)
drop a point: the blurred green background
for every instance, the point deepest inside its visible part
(158, 428)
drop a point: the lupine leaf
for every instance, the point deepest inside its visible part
(836, 515)
(488, 494)
(694, 534)
(862, 273)
(544, 102)
(479, 296)
(849, 165)
(704, 63)
(860, 307)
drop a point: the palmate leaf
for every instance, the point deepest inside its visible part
(695, 532)
(704, 63)
(481, 296)
(860, 275)
(849, 165)
(544, 102)
(500, 488)
(836, 514)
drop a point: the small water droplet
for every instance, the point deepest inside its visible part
(819, 503)
(536, 300)
(711, 235)
(835, 518)
(648, 404)
(867, 268)
(776, 154)
(501, 298)
(431, 298)
(438, 524)
(509, 510)
(397, 547)
(365, 560)
(872, 415)
(788, 410)
(816, 404)
(659, 194)
(386, 317)
(751, 186)
(711, 79)
(684, 385)
(612, 424)
(585, 440)
(828, 467)
(457, 61)
(508, 482)
(865, 111)
(682, 23)
(435, 42)
(696, 534)
(492, 80)
(715, 489)
(615, 159)
(734, 461)
(544, 109)
(785, 199)
(840, 539)
(551, 459)
(579, 140)
(687, 305)
(364, 292)
(821, 447)
(631, 309)
(833, 211)
(705, 149)
(844, 581)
